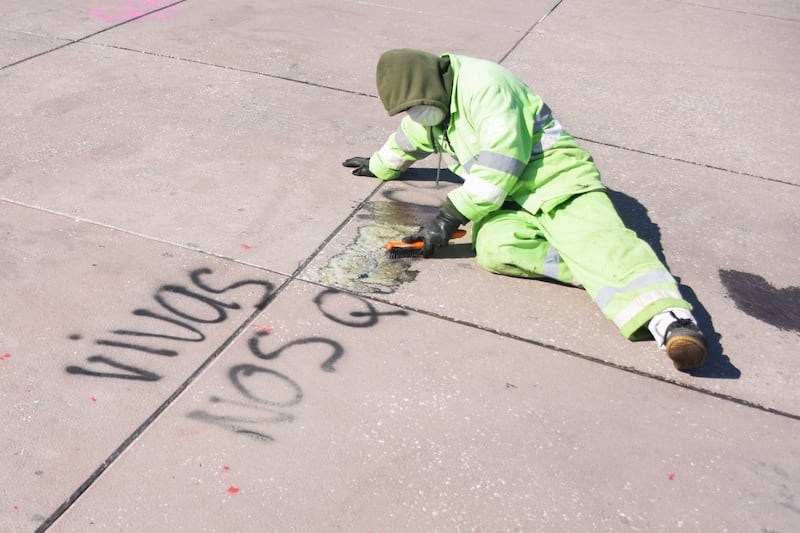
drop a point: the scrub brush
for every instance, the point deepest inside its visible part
(401, 250)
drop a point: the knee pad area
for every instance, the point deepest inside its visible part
(501, 260)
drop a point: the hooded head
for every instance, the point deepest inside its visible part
(408, 78)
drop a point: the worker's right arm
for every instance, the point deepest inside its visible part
(408, 144)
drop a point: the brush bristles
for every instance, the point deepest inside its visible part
(404, 252)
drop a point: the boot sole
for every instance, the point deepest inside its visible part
(686, 353)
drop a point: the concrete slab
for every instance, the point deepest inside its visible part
(161, 176)
(98, 329)
(675, 79)
(176, 152)
(331, 44)
(329, 422)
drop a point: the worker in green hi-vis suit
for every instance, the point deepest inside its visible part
(535, 196)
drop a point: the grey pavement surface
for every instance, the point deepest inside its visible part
(199, 330)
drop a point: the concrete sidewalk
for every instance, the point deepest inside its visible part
(199, 331)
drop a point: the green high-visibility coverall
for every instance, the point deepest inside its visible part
(535, 196)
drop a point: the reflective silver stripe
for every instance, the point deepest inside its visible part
(496, 161)
(550, 135)
(641, 302)
(392, 158)
(542, 118)
(551, 262)
(653, 277)
(402, 141)
(484, 190)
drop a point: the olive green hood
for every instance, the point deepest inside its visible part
(407, 77)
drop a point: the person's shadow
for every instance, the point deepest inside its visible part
(635, 217)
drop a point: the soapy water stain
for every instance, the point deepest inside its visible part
(363, 266)
(758, 298)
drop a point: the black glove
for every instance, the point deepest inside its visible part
(361, 166)
(438, 232)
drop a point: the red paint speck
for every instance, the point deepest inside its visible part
(94, 399)
(5, 356)
(672, 477)
(246, 246)
(16, 508)
(233, 490)
(226, 469)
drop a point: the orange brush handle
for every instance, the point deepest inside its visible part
(419, 245)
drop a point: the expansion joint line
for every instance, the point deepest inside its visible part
(685, 161)
(70, 42)
(530, 30)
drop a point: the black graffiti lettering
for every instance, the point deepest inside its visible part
(370, 314)
(185, 307)
(247, 370)
(255, 434)
(149, 314)
(195, 276)
(219, 307)
(205, 416)
(236, 423)
(137, 347)
(134, 373)
(264, 393)
(327, 365)
(259, 392)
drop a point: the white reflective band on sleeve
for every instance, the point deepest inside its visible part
(405, 145)
(551, 262)
(640, 302)
(654, 277)
(392, 158)
(496, 161)
(402, 141)
(550, 135)
(484, 190)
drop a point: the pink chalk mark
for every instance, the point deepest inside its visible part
(246, 246)
(5, 356)
(94, 399)
(672, 477)
(233, 490)
(226, 469)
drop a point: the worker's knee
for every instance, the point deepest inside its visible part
(507, 244)
(501, 259)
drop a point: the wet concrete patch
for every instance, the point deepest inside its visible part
(760, 299)
(363, 266)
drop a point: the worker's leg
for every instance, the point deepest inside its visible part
(584, 239)
(619, 271)
(510, 243)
